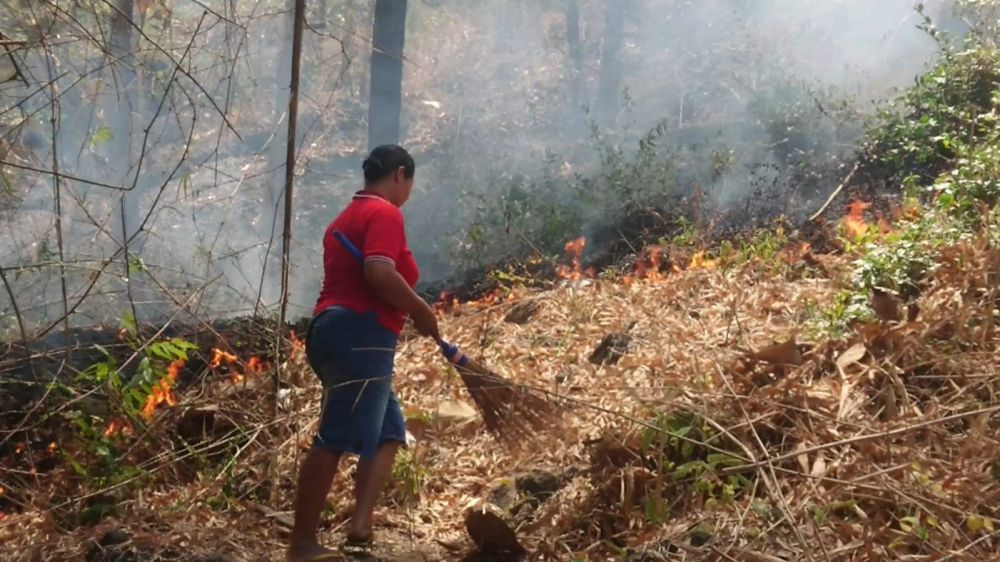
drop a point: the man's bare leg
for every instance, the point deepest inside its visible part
(315, 479)
(371, 479)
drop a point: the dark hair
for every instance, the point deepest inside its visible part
(385, 160)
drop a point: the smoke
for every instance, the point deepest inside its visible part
(497, 93)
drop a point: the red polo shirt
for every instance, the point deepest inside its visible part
(375, 226)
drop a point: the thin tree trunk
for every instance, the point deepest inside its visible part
(388, 39)
(121, 123)
(574, 50)
(348, 39)
(611, 61)
(286, 238)
(267, 220)
(120, 112)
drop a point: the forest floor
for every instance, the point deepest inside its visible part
(721, 425)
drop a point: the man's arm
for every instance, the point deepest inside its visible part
(390, 286)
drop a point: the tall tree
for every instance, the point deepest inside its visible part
(119, 113)
(575, 53)
(609, 88)
(385, 105)
(279, 113)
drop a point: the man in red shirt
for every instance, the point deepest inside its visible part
(367, 293)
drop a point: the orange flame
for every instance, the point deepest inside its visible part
(447, 303)
(698, 261)
(854, 221)
(161, 392)
(298, 346)
(218, 356)
(489, 299)
(256, 366)
(884, 226)
(117, 427)
(574, 249)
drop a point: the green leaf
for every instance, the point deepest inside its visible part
(976, 523)
(136, 265)
(101, 136)
(128, 323)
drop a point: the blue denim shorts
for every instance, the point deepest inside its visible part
(352, 354)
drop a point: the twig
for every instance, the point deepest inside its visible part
(17, 311)
(836, 192)
(54, 120)
(280, 518)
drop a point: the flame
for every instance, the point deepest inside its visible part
(118, 427)
(53, 447)
(218, 356)
(161, 392)
(698, 261)
(298, 346)
(447, 303)
(649, 263)
(491, 298)
(574, 249)
(884, 226)
(256, 366)
(854, 221)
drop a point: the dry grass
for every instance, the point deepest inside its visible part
(880, 446)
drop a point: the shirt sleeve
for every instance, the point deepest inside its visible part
(385, 238)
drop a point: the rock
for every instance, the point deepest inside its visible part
(702, 534)
(114, 538)
(522, 312)
(662, 552)
(504, 495)
(490, 532)
(538, 484)
(456, 412)
(611, 349)
(115, 546)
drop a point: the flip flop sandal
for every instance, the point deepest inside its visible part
(325, 557)
(359, 542)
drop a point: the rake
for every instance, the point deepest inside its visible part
(513, 413)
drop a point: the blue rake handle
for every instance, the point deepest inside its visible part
(450, 352)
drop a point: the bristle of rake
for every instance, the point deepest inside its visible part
(514, 413)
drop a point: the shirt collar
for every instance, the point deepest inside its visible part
(365, 194)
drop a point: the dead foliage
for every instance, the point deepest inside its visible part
(725, 432)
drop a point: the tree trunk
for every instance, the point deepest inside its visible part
(279, 121)
(266, 220)
(120, 113)
(609, 89)
(348, 37)
(574, 50)
(385, 106)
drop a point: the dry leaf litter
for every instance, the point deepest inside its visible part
(880, 445)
